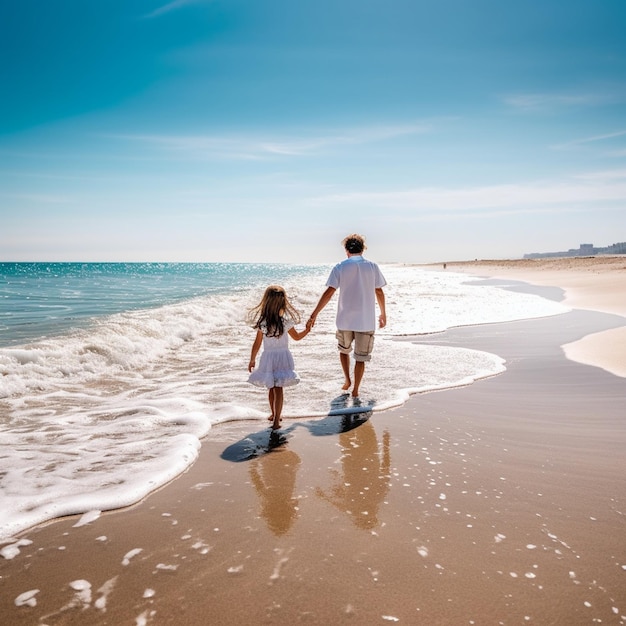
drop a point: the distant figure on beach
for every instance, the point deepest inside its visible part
(360, 283)
(274, 319)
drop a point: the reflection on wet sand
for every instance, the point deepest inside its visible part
(362, 485)
(274, 478)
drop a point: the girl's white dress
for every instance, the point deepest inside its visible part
(276, 366)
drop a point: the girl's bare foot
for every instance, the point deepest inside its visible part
(270, 418)
(276, 424)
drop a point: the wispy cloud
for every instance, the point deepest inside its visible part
(592, 139)
(171, 6)
(38, 198)
(592, 190)
(619, 174)
(258, 147)
(548, 101)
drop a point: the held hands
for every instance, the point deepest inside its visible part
(310, 323)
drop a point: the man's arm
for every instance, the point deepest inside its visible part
(323, 301)
(380, 297)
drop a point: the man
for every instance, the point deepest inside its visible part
(360, 283)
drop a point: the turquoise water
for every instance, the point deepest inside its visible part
(44, 299)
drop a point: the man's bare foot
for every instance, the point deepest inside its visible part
(276, 424)
(347, 384)
(270, 418)
(355, 393)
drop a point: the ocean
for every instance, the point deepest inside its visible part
(111, 374)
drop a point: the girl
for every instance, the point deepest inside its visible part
(274, 319)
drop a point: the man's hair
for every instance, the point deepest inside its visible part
(354, 244)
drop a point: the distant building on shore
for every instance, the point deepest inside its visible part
(585, 249)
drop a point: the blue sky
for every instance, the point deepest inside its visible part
(266, 130)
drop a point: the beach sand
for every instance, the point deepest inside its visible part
(593, 283)
(503, 502)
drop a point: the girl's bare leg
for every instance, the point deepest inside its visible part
(270, 398)
(277, 407)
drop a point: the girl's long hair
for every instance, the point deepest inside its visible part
(269, 313)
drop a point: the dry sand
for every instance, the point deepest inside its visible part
(503, 502)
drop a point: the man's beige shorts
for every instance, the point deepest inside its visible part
(363, 343)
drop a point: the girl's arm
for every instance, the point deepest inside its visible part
(297, 335)
(255, 349)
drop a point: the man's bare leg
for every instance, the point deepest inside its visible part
(345, 366)
(359, 368)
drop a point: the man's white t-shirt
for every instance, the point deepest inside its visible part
(357, 279)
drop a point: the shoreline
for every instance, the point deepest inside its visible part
(595, 283)
(501, 501)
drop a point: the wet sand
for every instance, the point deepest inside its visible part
(595, 283)
(503, 502)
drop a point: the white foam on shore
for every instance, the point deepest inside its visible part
(27, 598)
(87, 518)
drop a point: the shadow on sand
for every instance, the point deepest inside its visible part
(345, 413)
